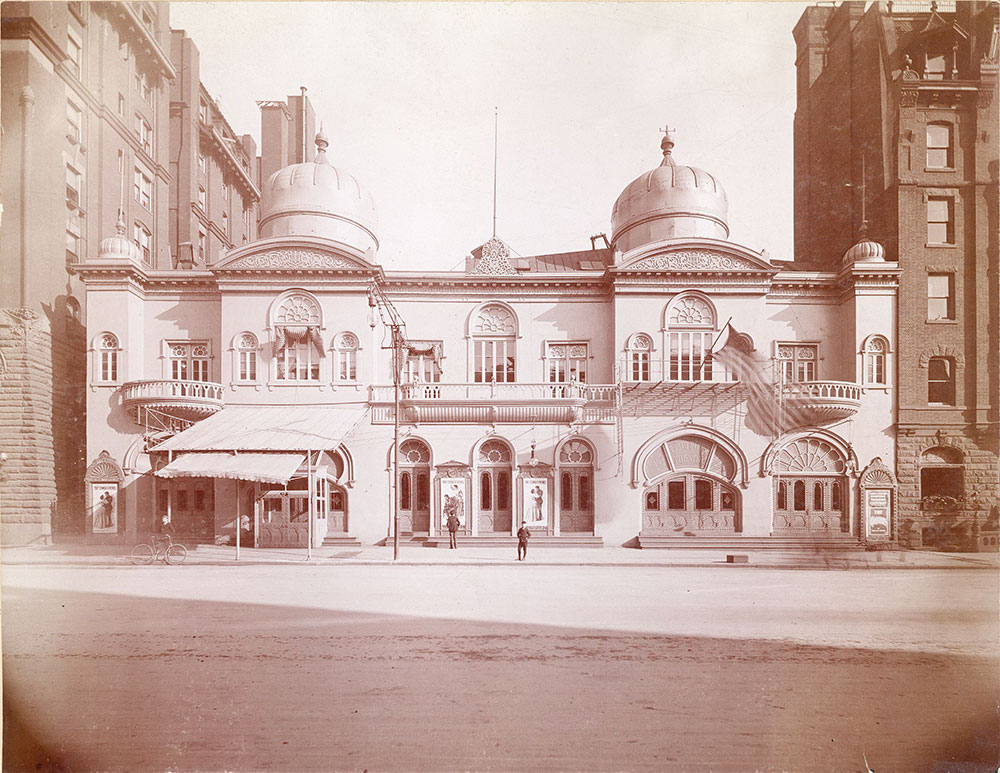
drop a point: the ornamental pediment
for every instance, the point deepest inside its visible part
(696, 260)
(284, 258)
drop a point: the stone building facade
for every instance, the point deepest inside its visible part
(673, 388)
(896, 125)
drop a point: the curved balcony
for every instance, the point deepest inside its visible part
(496, 403)
(186, 400)
(820, 402)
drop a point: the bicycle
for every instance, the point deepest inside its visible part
(163, 549)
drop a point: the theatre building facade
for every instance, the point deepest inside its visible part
(671, 388)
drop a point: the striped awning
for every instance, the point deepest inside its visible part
(269, 428)
(263, 468)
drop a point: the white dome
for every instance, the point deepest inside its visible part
(669, 202)
(317, 199)
(119, 246)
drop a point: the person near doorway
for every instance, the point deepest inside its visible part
(523, 535)
(453, 524)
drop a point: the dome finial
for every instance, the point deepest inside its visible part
(667, 145)
(322, 142)
(120, 225)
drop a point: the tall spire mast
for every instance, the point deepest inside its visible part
(496, 125)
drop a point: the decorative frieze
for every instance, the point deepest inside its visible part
(292, 260)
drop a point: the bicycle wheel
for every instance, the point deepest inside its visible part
(175, 554)
(142, 554)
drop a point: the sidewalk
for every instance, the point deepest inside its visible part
(411, 555)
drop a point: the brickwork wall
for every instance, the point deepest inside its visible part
(29, 489)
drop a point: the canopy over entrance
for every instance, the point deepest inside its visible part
(269, 428)
(263, 468)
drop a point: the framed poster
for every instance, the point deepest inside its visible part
(535, 501)
(878, 504)
(454, 500)
(104, 507)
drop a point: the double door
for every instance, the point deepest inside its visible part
(495, 513)
(415, 500)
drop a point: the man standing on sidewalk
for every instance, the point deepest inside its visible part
(523, 535)
(453, 524)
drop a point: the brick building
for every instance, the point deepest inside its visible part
(896, 125)
(103, 113)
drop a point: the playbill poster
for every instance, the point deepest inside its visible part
(104, 497)
(453, 500)
(536, 501)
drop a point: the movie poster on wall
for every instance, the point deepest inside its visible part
(536, 501)
(453, 500)
(104, 507)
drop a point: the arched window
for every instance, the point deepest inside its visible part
(297, 343)
(494, 330)
(346, 347)
(404, 490)
(691, 328)
(782, 495)
(246, 357)
(939, 147)
(639, 349)
(817, 496)
(941, 381)
(835, 503)
(799, 495)
(485, 492)
(107, 347)
(876, 349)
(566, 491)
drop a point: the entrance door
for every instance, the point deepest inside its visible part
(414, 487)
(576, 500)
(495, 513)
(690, 504)
(810, 504)
(336, 518)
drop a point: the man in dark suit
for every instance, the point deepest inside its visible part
(523, 535)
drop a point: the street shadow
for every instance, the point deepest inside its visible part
(98, 681)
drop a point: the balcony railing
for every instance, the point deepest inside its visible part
(179, 399)
(820, 402)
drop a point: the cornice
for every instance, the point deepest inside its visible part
(123, 11)
(27, 28)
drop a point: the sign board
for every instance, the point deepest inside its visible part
(104, 507)
(878, 514)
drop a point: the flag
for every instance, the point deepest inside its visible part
(768, 412)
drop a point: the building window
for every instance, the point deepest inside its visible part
(123, 49)
(297, 343)
(121, 105)
(144, 240)
(202, 198)
(74, 188)
(189, 361)
(797, 362)
(75, 51)
(202, 164)
(143, 189)
(940, 297)
(143, 87)
(202, 240)
(494, 330)
(676, 499)
(74, 122)
(702, 495)
(934, 67)
(246, 225)
(941, 381)
(640, 346)
(246, 348)
(72, 244)
(566, 362)
(297, 361)
(108, 358)
(203, 111)
(876, 350)
(939, 152)
(940, 220)
(691, 323)
(225, 224)
(422, 363)
(347, 357)
(144, 133)
(225, 192)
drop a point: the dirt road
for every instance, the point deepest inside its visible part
(319, 669)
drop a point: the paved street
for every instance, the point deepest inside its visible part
(505, 667)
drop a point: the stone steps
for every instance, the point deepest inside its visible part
(506, 541)
(737, 542)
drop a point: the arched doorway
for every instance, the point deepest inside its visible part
(576, 487)
(414, 487)
(690, 489)
(494, 470)
(810, 489)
